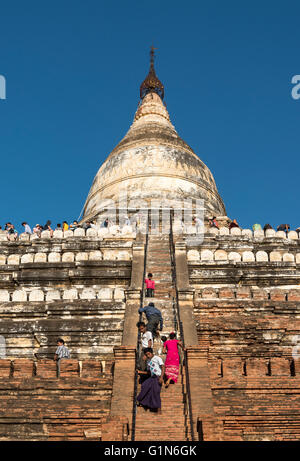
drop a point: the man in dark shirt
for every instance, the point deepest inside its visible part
(153, 316)
(283, 227)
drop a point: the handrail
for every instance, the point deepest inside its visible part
(188, 388)
(138, 346)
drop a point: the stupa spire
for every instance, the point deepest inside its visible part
(152, 84)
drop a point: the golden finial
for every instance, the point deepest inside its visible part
(151, 82)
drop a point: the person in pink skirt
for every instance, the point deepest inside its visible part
(172, 359)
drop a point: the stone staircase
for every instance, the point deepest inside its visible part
(159, 264)
(172, 424)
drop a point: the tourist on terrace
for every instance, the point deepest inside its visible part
(214, 223)
(149, 397)
(58, 226)
(298, 231)
(37, 230)
(146, 340)
(74, 225)
(267, 227)
(154, 318)
(150, 286)
(86, 225)
(198, 224)
(11, 231)
(105, 223)
(233, 224)
(256, 227)
(172, 360)
(47, 227)
(27, 229)
(283, 227)
(65, 226)
(62, 352)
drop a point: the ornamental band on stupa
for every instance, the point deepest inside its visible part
(231, 296)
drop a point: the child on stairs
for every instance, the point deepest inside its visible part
(150, 286)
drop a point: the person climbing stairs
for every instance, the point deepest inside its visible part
(173, 422)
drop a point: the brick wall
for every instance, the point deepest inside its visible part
(36, 405)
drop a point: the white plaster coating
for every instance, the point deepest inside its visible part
(235, 231)
(13, 259)
(27, 258)
(36, 295)
(293, 235)
(259, 234)
(224, 231)
(262, 256)
(105, 294)
(270, 233)
(275, 256)
(4, 295)
(288, 257)
(119, 294)
(40, 258)
(207, 255)
(95, 255)
(247, 232)
(193, 255)
(45, 234)
(58, 234)
(68, 257)
(234, 256)
(88, 293)
(72, 293)
(79, 232)
(68, 233)
(19, 295)
(24, 237)
(82, 256)
(54, 257)
(220, 255)
(248, 256)
(53, 295)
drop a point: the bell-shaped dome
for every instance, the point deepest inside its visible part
(152, 163)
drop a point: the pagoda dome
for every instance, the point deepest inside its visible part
(152, 163)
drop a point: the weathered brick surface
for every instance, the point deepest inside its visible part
(293, 295)
(5, 368)
(91, 369)
(226, 293)
(69, 368)
(46, 368)
(115, 429)
(43, 407)
(254, 377)
(23, 368)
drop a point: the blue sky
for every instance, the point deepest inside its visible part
(73, 71)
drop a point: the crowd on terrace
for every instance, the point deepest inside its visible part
(10, 229)
(281, 227)
(134, 221)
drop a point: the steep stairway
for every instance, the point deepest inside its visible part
(172, 423)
